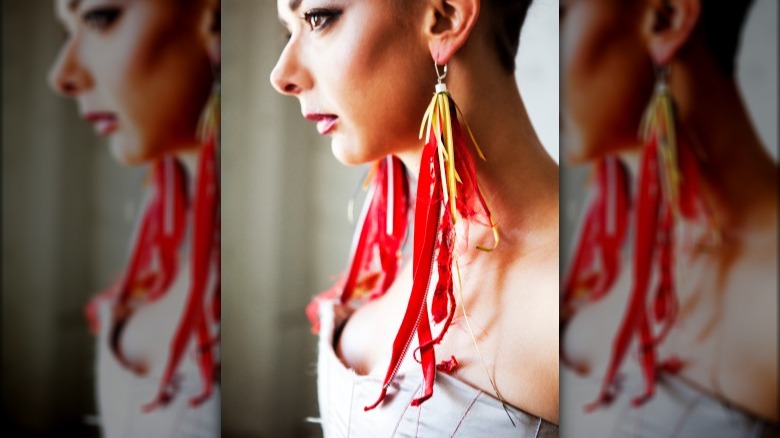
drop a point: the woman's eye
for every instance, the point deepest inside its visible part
(101, 18)
(319, 19)
(315, 20)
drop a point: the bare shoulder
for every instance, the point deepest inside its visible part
(533, 281)
(529, 326)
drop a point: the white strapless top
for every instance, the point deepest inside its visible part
(121, 393)
(455, 409)
(677, 409)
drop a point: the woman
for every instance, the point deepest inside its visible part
(157, 327)
(365, 72)
(694, 199)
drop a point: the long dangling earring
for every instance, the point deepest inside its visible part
(654, 212)
(201, 313)
(446, 192)
(156, 240)
(154, 255)
(668, 192)
(380, 233)
(596, 261)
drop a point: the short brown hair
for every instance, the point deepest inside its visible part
(721, 24)
(506, 19)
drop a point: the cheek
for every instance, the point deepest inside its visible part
(164, 88)
(606, 86)
(381, 94)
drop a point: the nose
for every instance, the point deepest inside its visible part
(68, 76)
(289, 76)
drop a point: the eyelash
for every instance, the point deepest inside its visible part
(101, 18)
(326, 17)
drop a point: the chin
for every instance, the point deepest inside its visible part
(126, 153)
(348, 153)
(585, 147)
(575, 150)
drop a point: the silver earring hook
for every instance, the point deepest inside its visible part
(440, 76)
(440, 86)
(662, 76)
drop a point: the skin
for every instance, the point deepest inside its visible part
(124, 60)
(360, 74)
(725, 285)
(367, 57)
(602, 65)
(131, 68)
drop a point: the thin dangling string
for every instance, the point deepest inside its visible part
(476, 347)
(363, 185)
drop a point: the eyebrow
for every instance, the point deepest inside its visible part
(73, 5)
(293, 5)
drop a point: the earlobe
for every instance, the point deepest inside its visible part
(672, 24)
(449, 27)
(210, 29)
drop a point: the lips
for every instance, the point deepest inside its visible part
(325, 122)
(104, 122)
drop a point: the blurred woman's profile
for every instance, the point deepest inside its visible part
(145, 74)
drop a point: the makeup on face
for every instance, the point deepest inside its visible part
(123, 62)
(347, 63)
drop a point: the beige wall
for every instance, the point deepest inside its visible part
(282, 239)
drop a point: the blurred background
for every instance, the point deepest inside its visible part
(68, 211)
(757, 76)
(284, 210)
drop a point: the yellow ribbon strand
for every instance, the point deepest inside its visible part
(437, 121)
(445, 101)
(494, 227)
(471, 134)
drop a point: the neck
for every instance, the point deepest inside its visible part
(519, 180)
(737, 172)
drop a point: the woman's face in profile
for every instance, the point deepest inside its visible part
(139, 70)
(360, 69)
(607, 75)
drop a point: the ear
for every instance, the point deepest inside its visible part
(449, 25)
(214, 31)
(672, 23)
